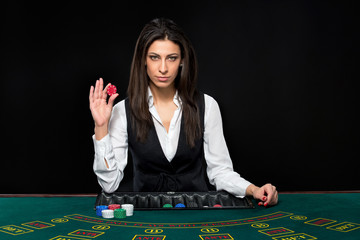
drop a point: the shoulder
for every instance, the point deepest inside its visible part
(212, 110)
(119, 107)
(210, 102)
(118, 122)
(118, 115)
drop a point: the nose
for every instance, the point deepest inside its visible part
(163, 67)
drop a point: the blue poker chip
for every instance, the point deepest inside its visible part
(99, 209)
(179, 205)
(102, 207)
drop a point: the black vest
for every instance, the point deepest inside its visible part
(154, 173)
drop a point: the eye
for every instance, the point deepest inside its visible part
(172, 59)
(154, 57)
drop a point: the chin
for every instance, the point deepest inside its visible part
(160, 84)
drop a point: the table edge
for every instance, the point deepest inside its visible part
(94, 194)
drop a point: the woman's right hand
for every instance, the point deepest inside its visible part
(100, 109)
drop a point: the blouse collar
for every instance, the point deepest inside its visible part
(176, 99)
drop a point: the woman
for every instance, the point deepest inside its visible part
(173, 132)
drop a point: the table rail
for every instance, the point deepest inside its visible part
(49, 195)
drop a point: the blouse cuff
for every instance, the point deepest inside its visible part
(102, 148)
(244, 186)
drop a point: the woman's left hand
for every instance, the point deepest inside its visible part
(267, 195)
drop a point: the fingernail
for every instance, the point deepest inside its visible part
(259, 203)
(265, 204)
(264, 198)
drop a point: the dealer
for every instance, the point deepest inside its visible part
(173, 132)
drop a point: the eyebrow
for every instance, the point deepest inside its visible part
(171, 54)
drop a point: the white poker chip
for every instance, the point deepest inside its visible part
(129, 209)
(107, 213)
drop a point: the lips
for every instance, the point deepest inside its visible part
(162, 79)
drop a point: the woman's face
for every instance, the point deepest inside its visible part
(162, 63)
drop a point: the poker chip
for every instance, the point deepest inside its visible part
(111, 90)
(114, 206)
(99, 210)
(120, 213)
(179, 205)
(217, 205)
(129, 209)
(107, 213)
(167, 206)
(102, 207)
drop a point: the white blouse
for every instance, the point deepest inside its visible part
(113, 148)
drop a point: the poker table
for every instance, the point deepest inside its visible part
(297, 216)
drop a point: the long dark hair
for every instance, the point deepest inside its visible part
(185, 82)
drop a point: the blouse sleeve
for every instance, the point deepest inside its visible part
(219, 165)
(111, 151)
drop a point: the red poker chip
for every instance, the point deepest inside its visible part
(111, 90)
(114, 206)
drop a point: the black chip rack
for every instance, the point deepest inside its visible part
(192, 200)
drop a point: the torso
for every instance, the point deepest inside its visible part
(153, 171)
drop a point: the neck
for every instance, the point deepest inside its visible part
(162, 94)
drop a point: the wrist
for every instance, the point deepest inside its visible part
(100, 131)
(251, 189)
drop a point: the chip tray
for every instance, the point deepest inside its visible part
(192, 200)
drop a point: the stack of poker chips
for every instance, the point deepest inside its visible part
(115, 210)
(129, 209)
(107, 213)
(120, 213)
(99, 210)
(179, 205)
(114, 206)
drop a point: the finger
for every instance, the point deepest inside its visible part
(266, 203)
(101, 86)
(271, 192)
(104, 92)
(269, 199)
(91, 94)
(112, 98)
(261, 194)
(96, 91)
(272, 202)
(275, 198)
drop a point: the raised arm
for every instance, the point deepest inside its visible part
(100, 108)
(110, 138)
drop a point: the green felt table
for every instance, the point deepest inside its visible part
(297, 216)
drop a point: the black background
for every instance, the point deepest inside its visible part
(283, 73)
